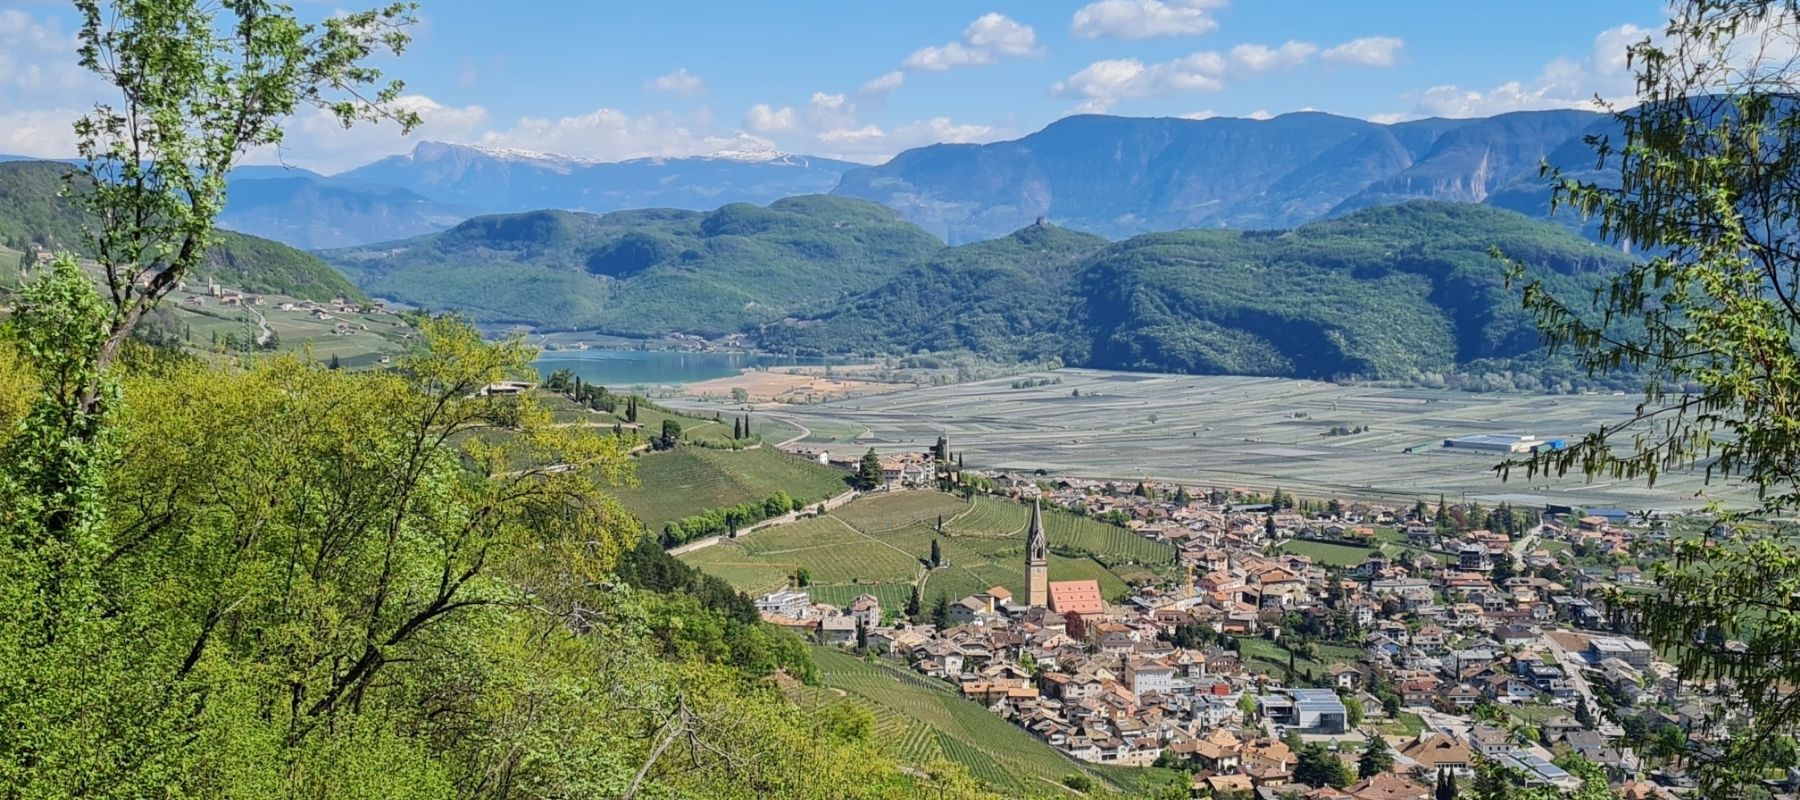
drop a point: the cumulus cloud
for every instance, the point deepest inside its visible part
(867, 142)
(679, 82)
(764, 119)
(1144, 19)
(988, 39)
(1253, 58)
(1369, 51)
(1563, 83)
(1103, 84)
(609, 134)
(315, 139)
(42, 88)
(884, 84)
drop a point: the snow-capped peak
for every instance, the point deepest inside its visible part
(507, 153)
(750, 154)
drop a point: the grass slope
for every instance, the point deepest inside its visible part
(689, 480)
(922, 719)
(880, 545)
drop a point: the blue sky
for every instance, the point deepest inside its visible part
(863, 80)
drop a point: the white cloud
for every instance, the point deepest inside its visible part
(764, 119)
(851, 136)
(1253, 58)
(1103, 84)
(1207, 114)
(867, 142)
(1260, 114)
(316, 140)
(1144, 19)
(42, 134)
(609, 135)
(1369, 51)
(989, 38)
(679, 82)
(941, 129)
(1563, 83)
(884, 84)
(1001, 34)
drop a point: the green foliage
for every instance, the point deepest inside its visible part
(724, 520)
(1007, 299)
(868, 471)
(1703, 164)
(1376, 757)
(1320, 767)
(647, 272)
(1405, 292)
(199, 86)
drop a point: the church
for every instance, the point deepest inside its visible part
(1078, 598)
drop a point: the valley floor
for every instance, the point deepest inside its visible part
(1242, 432)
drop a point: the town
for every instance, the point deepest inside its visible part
(1314, 649)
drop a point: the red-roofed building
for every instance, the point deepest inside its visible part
(1076, 597)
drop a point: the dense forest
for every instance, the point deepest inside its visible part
(648, 272)
(1404, 292)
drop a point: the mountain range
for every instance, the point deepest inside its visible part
(1112, 176)
(1388, 292)
(438, 185)
(1120, 176)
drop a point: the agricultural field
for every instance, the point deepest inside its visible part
(885, 512)
(1109, 543)
(1328, 554)
(881, 544)
(922, 719)
(1242, 432)
(687, 480)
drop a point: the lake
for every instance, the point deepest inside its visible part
(657, 367)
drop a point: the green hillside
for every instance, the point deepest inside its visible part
(1394, 292)
(880, 544)
(1005, 298)
(33, 212)
(685, 481)
(647, 272)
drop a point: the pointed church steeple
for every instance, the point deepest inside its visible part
(1037, 558)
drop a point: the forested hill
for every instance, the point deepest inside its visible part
(648, 272)
(33, 212)
(1393, 292)
(1008, 299)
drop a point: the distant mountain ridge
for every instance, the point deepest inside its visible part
(1113, 176)
(500, 180)
(1122, 176)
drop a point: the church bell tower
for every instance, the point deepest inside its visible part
(1037, 558)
